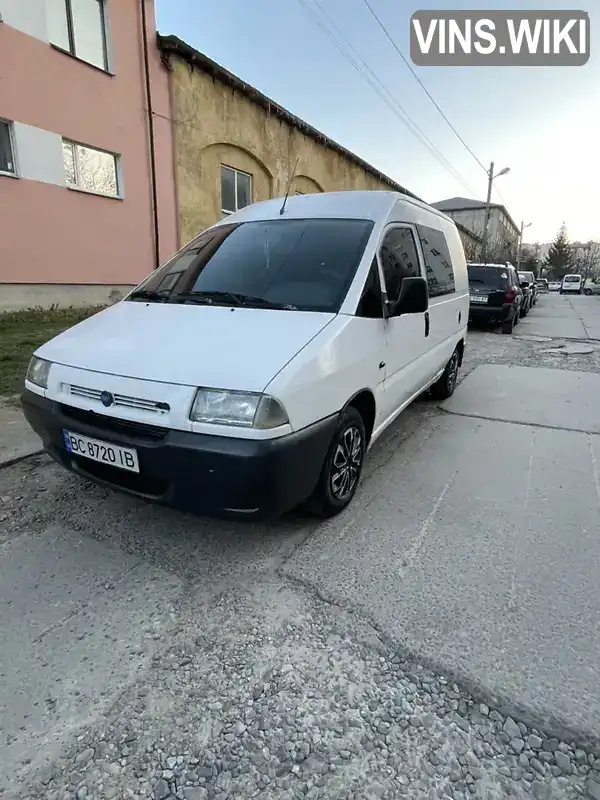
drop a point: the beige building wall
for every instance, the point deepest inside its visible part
(216, 124)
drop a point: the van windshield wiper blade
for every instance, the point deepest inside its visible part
(146, 294)
(232, 298)
(249, 300)
(208, 297)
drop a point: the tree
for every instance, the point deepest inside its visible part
(586, 261)
(559, 260)
(529, 261)
(501, 249)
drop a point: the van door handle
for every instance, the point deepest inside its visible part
(427, 323)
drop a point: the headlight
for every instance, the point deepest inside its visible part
(243, 409)
(38, 371)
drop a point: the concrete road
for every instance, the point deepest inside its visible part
(17, 440)
(472, 544)
(480, 552)
(564, 317)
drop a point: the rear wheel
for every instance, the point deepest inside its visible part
(445, 386)
(342, 467)
(587, 291)
(508, 325)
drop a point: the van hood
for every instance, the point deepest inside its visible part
(191, 345)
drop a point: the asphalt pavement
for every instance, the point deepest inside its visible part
(472, 546)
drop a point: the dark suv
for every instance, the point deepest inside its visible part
(495, 295)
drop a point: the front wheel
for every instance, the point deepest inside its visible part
(342, 466)
(444, 387)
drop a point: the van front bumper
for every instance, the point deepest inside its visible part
(196, 472)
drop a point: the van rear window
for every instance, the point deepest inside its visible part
(494, 277)
(572, 279)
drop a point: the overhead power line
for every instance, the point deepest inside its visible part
(369, 76)
(421, 84)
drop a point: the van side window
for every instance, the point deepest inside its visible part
(399, 259)
(438, 264)
(371, 302)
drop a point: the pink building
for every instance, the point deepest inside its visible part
(87, 190)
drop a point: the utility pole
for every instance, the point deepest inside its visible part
(523, 226)
(486, 224)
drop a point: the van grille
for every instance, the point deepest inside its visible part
(123, 400)
(123, 426)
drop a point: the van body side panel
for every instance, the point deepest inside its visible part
(343, 359)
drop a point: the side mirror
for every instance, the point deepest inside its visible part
(413, 299)
(524, 285)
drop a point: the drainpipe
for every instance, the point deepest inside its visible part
(151, 136)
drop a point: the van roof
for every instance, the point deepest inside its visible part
(369, 204)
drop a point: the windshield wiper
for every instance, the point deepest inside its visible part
(230, 298)
(207, 297)
(146, 294)
(249, 300)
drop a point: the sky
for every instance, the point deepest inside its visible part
(542, 122)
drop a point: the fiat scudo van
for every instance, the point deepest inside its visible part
(254, 369)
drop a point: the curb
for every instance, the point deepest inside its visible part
(10, 462)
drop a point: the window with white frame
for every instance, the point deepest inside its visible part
(7, 156)
(90, 169)
(78, 26)
(236, 189)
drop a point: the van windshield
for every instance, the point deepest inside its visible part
(293, 264)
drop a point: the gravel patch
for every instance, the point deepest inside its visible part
(491, 347)
(284, 696)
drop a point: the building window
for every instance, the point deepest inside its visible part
(236, 190)
(91, 170)
(7, 157)
(438, 264)
(78, 27)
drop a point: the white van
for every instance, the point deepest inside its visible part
(255, 368)
(571, 283)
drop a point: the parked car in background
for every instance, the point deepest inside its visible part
(495, 295)
(571, 284)
(542, 285)
(529, 286)
(592, 287)
(554, 286)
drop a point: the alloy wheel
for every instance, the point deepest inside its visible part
(346, 463)
(452, 373)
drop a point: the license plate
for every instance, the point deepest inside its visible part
(104, 452)
(477, 298)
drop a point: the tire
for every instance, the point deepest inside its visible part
(444, 387)
(508, 325)
(345, 457)
(587, 291)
